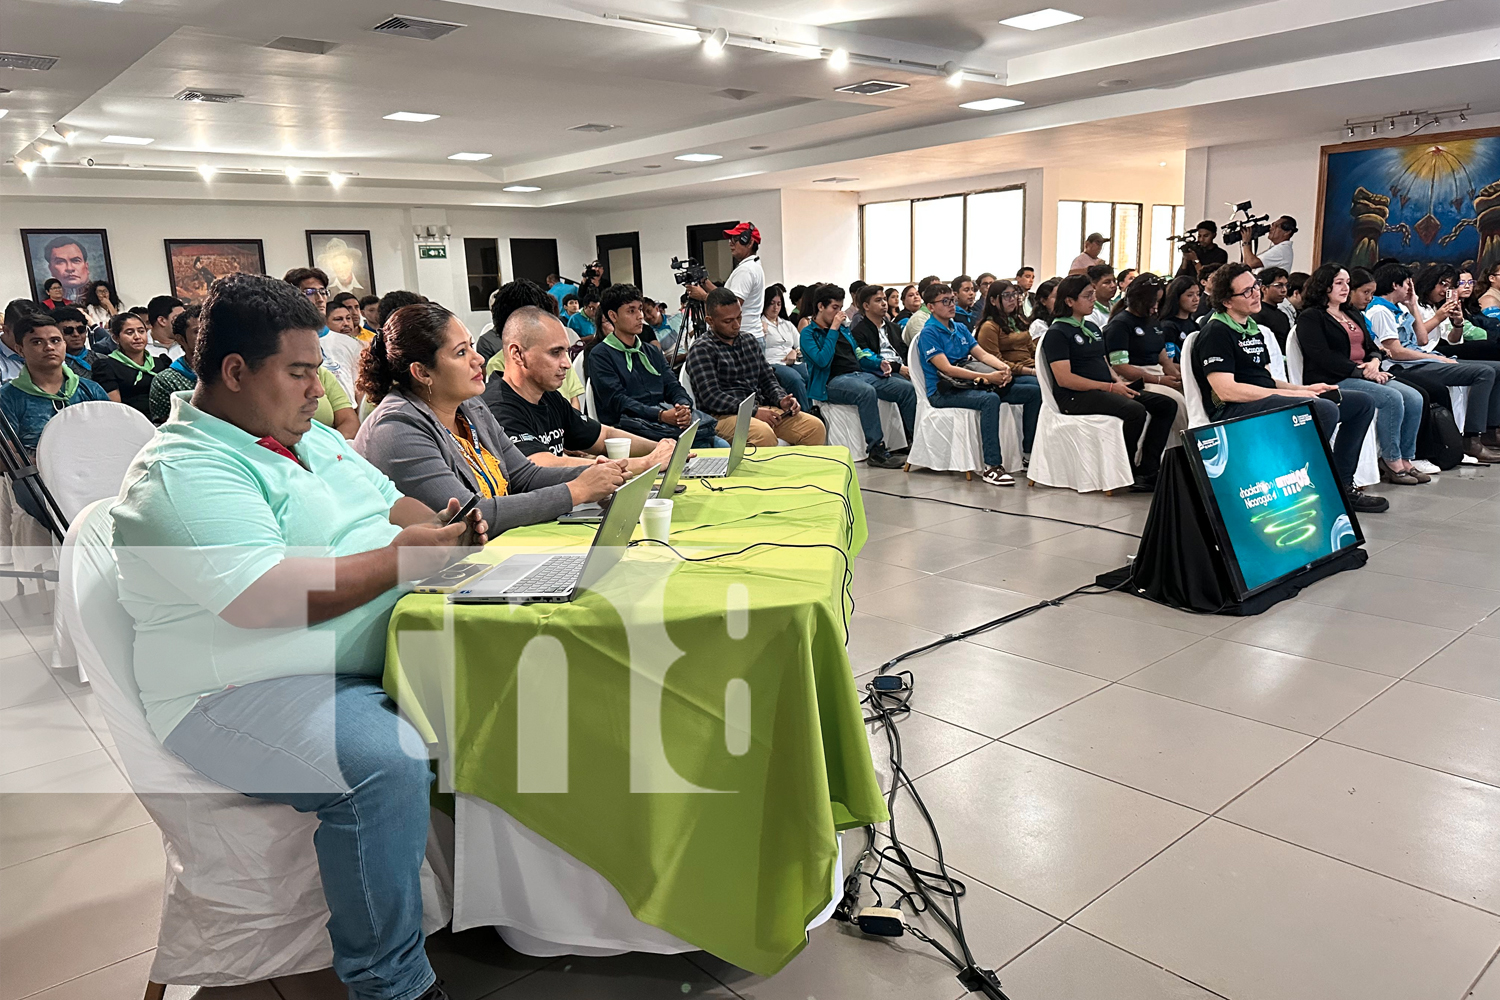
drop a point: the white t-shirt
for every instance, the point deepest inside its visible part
(779, 341)
(1277, 255)
(341, 354)
(748, 283)
(1442, 331)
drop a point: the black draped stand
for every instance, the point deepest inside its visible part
(1180, 564)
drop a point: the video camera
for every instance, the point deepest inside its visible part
(1234, 229)
(593, 271)
(688, 272)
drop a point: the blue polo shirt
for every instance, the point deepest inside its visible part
(562, 290)
(953, 342)
(203, 513)
(581, 324)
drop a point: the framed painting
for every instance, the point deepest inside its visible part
(1422, 199)
(75, 257)
(343, 255)
(192, 265)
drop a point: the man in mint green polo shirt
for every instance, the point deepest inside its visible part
(260, 557)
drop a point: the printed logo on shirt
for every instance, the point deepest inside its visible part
(1119, 357)
(550, 439)
(1078, 337)
(1139, 332)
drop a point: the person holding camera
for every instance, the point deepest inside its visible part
(1278, 254)
(747, 281)
(1203, 251)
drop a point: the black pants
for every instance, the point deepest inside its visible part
(1471, 350)
(1161, 409)
(1482, 378)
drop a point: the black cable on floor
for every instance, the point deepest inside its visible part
(994, 510)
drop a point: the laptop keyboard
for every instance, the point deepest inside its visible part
(557, 575)
(713, 466)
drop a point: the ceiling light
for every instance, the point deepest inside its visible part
(48, 152)
(470, 156)
(954, 72)
(714, 44)
(336, 179)
(292, 173)
(128, 140)
(521, 189)
(66, 133)
(207, 172)
(1163, 163)
(1051, 17)
(991, 104)
(1351, 131)
(4, 112)
(1393, 124)
(409, 116)
(838, 59)
(1462, 117)
(28, 167)
(698, 157)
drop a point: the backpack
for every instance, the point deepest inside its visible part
(1439, 441)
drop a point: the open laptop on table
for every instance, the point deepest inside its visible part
(718, 466)
(591, 513)
(544, 579)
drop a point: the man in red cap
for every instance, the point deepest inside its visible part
(747, 281)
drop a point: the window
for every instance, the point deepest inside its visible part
(1118, 220)
(1166, 221)
(482, 266)
(948, 236)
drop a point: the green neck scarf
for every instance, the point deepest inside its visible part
(631, 353)
(140, 370)
(1248, 330)
(69, 386)
(1087, 330)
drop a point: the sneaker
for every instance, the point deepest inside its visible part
(997, 476)
(879, 458)
(1026, 460)
(1425, 467)
(1366, 503)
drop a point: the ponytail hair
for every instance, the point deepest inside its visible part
(412, 335)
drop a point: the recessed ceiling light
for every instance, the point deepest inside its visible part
(1051, 17)
(128, 140)
(1163, 163)
(470, 156)
(521, 189)
(409, 116)
(991, 104)
(1116, 82)
(698, 157)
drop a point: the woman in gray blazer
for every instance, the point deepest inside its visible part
(433, 436)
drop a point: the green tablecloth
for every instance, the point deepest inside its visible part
(691, 731)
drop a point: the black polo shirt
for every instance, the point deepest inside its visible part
(1211, 254)
(1131, 340)
(1082, 347)
(549, 424)
(1273, 319)
(1175, 331)
(1222, 348)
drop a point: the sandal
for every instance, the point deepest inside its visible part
(1390, 475)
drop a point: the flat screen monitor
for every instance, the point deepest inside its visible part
(1272, 494)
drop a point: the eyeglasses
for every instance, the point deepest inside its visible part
(1252, 292)
(72, 328)
(947, 301)
(1278, 284)
(315, 293)
(1010, 293)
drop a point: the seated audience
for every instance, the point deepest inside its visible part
(1179, 308)
(917, 322)
(1439, 317)
(1083, 381)
(1025, 279)
(431, 433)
(779, 339)
(581, 323)
(161, 312)
(525, 401)
(965, 294)
(369, 318)
(655, 328)
(841, 371)
(100, 303)
(946, 349)
(1391, 326)
(725, 367)
(982, 284)
(1484, 297)
(11, 361)
(126, 373)
(393, 300)
(1003, 333)
(45, 383)
(341, 352)
(1106, 286)
(1337, 350)
(1273, 286)
(634, 387)
(1137, 348)
(1230, 364)
(507, 299)
(335, 408)
(873, 331)
(893, 304)
(911, 301)
(342, 317)
(75, 330)
(52, 295)
(559, 289)
(260, 669)
(179, 375)
(1041, 312)
(1292, 304)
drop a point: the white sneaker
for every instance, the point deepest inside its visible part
(997, 476)
(1424, 466)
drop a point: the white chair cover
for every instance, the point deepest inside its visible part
(1367, 472)
(1082, 453)
(85, 450)
(243, 899)
(845, 429)
(1458, 395)
(946, 440)
(1277, 365)
(1197, 412)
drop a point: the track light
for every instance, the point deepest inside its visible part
(28, 167)
(1374, 129)
(207, 172)
(838, 59)
(336, 179)
(954, 72)
(1462, 117)
(1351, 131)
(714, 44)
(1393, 124)
(292, 173)
(48, 152)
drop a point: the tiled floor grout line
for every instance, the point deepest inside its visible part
(90, 972)
(1111, 944)
(1492, 964)
(81, 843)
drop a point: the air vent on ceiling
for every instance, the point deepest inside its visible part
(207, 96)
(612, 173)
(21, 60)
(592, 127)
(835, 180)
(309, 45)
(871, 87)
(416, 27)
(735, 94)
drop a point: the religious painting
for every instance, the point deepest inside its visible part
(192, 265)
(75, 257)
(1421, 199)
(343, 255)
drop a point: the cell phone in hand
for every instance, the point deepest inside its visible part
(1332, 395)
(464, 511)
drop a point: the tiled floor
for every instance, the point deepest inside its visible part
(1146, 805)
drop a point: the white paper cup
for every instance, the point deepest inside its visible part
(656, 519)
(617, 447)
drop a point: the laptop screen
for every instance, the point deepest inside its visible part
(741, 431)
(615, 530)
(679, 459)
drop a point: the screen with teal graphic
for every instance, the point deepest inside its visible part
(1279, 503)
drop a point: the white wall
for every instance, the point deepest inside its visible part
(820, 236)
(663, 234)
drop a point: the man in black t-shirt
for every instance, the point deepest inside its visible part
(525, 400)
(1136, 348)
(1273, 292)
(1204, 251)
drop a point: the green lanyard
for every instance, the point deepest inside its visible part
(1087, 330)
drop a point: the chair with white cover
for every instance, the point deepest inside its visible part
(1079, 452)
(243, 900)
(1197, 412)
(847, 431)
(947, 439)
(1367, 472)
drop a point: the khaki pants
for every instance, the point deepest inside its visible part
(801, 428)
(1181, 422)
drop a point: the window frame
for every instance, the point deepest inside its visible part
(1141, 223)
(963, 232)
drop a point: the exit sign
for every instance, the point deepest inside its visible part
(432, 252)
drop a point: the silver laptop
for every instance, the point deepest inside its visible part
(543, 579)
(718, 466)
(590, 513)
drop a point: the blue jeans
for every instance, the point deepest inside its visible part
(1026, 392)
(864, 390)
(1398, 416)
(335, 746)
(988, 405)
(1353, 414)
(794, 381)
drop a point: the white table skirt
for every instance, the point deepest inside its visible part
(542, 900)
